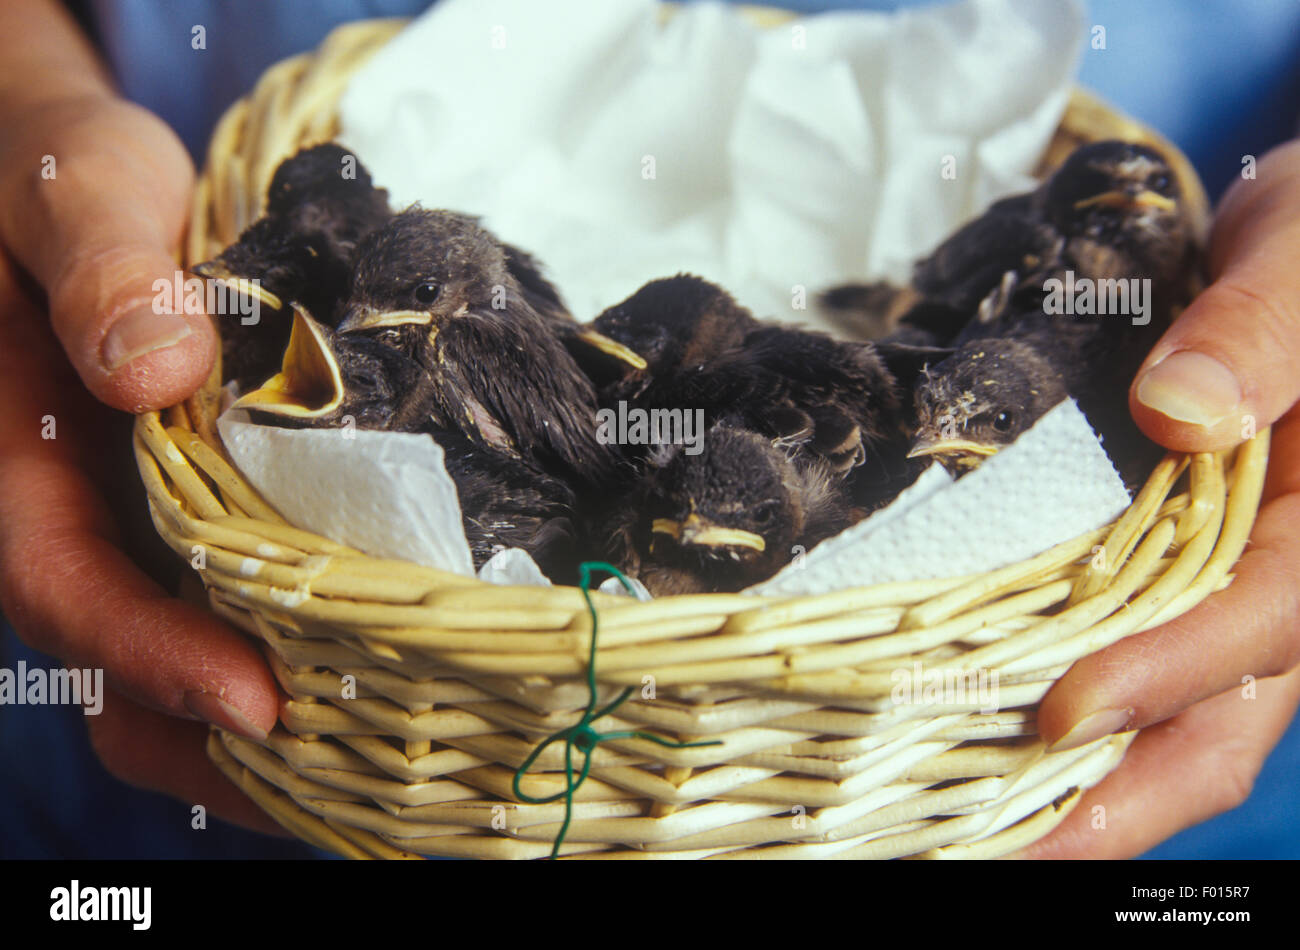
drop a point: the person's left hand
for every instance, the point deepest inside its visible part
(1214, 690)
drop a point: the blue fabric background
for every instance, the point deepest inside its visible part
(1219, 77)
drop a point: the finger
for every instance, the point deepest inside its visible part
(1232, 353)
(93, 200)
(1250, 629)
(1177, 774)
(67, 588)
(149, 750)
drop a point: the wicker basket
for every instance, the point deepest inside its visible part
(457, 681)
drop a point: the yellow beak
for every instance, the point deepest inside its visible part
(695, 530)
(212, 270)
(309, 384)
(366, 319)
(924, 446)
(1124, 199)
(611, 347)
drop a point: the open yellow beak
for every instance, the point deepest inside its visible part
(309, 384)
(695, 530)
(212, 270)
(611, 347)
(923, 446)
(1124, 199)
(364, 318)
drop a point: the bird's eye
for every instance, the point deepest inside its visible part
(427, 292)
(1159, 183)
(764, 513)
(1002, 422)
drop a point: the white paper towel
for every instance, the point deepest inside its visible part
(823, 568)
(385, 493)
(620, 150)
(513, 566)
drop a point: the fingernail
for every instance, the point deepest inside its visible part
(139, 332)
(1188, 386)
(213, 709)
(1093, 727)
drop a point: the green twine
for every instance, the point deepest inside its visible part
(581, 734)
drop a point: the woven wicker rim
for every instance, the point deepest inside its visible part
(457, 680)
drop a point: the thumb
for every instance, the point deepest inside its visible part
(94, 196)
(1228, 364)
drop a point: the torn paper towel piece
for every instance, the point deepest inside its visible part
(825, 559)
(512, 567)
(613, 585)
(620, 148)
(385, 493)
(1053, 483)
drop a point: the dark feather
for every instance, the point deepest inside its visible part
(320, 202)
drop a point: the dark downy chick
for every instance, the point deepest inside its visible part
(1017, 359)
(506, 503)
(980, 400)
(704, 351)
(674, 324)
(326, 190)
(851, 393)
(726, 518)
(1122, 213)
(329, 381)
(320, 202)
(438, 287)
(992, 390)
(1113, 210)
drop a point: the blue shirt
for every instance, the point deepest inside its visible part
(1218, 77)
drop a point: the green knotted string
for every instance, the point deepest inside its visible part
(581, 734)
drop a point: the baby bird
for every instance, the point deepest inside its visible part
(1122, 214)
(980, 400)
(1113, 210)
(674, 324)
(992, 389)
(319, 204)
(704, 351)
(505, 503)
(728, 517)
(438, 287)
(329, 380)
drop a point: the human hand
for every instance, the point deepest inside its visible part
(1215, 689)
(95, 235)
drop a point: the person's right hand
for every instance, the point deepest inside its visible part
(1215, 689)
(95, 235)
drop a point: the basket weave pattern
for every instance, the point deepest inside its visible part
(415, 694)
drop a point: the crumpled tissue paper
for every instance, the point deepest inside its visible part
(620, 149)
